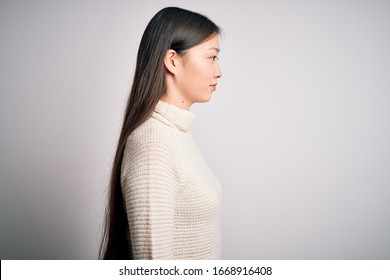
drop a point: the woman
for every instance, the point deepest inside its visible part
(164, 202)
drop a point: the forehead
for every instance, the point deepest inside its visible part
(211, 44)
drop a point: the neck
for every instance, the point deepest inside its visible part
(175, 98)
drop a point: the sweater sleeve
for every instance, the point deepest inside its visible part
(150, 185)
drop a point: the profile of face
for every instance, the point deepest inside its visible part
(192, 76)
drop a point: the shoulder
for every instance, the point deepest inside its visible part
(152, 132)
(150, 151)
(151, 139)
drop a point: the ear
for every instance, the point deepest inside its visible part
(170, 61)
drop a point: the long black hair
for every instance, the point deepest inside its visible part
(171, 28)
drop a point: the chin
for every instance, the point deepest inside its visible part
(207, 97)
(204, 98)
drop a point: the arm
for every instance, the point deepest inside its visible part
(149, 186)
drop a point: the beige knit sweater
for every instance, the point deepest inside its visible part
(172, 199)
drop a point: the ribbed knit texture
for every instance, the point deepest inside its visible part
(172, 199)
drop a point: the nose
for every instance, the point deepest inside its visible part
(218, 72)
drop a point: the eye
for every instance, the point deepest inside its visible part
(214, 58)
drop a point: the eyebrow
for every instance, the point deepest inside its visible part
(213, 48)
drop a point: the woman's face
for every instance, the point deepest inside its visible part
(199, 71)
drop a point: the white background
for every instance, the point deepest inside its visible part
(298, 131)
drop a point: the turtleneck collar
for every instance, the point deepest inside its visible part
(173, 116)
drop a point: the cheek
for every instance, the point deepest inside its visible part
(197, 75)
(202, 72)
